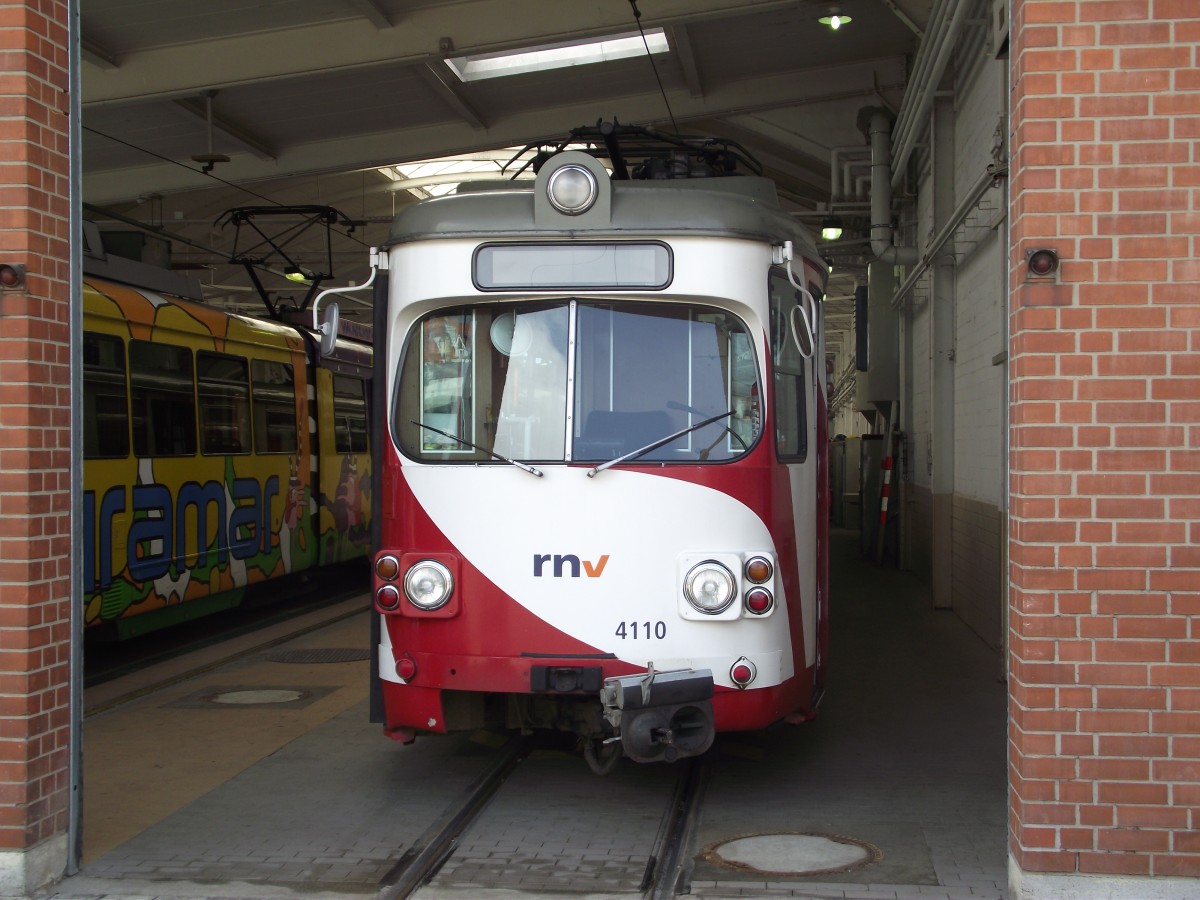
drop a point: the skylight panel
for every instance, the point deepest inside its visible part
(557, 56)
(437, 177)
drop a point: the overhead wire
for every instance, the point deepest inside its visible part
(181, 165)
(637, 17)
(346, 234)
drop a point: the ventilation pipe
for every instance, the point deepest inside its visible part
(881, 195)
(840, 184)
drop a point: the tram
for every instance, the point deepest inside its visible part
(602, 468)
(220, 450)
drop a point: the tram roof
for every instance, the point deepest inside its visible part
(741, 206)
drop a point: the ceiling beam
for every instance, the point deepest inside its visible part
(780, 91)
(678, 38)
(97, 54)
(371, 11)
(480, 26)
(245, 139)
(438, 77)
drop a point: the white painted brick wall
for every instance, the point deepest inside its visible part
(980, 401)
(979, 392)
(920, 370)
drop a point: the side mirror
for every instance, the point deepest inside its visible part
(328, 328)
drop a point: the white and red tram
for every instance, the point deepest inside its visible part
(603, 492)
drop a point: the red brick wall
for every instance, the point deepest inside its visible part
(35, 482)
(1104, 545)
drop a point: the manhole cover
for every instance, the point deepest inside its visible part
(319, 655)
(247, 698)
(792, 854)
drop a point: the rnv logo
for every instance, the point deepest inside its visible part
(567, 564)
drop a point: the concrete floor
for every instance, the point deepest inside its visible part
(188, 796)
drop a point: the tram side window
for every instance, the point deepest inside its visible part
(349, 414)
(163, 399)
(223, 385)
(105, 398)
(791, 417)
(274, 393)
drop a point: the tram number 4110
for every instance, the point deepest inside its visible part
(641, 630)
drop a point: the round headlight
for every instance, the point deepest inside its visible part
(428, 585)
(709, 587)
(572, 190)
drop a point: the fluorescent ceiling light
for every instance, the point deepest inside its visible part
(557, 56)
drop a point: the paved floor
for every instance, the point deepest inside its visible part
(187, 796)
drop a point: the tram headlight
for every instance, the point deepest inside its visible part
(428, 585)
(710, 587)
(572, 190)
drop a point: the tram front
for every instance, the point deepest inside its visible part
(584, 524)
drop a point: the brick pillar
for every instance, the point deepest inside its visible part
(1104, 612)
(35, 470)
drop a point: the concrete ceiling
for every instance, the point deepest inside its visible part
(308, 98)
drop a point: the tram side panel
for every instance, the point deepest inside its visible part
(343, 462)
(196, 472)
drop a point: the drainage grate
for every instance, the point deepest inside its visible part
(319, 655)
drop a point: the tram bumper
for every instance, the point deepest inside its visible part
(661, 716)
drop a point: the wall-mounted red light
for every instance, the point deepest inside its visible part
(1042, 263)
(12, 277)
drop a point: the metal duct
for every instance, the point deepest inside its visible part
(881, 196)
(941, 36)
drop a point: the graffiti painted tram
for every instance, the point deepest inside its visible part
(603, 488)
(220, 450)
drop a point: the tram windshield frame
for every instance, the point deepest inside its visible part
(578, 380)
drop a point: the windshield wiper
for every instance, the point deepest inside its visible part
(656, 444)
(492, 453)
(675, 404)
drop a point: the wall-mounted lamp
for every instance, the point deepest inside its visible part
(1042, 262)
(12, 277)
(831, 228)
(834, 20)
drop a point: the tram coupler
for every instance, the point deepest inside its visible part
(661, 716)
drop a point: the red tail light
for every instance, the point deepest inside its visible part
(742, 672)
(758, 600)
(406, 667)
(387, 598)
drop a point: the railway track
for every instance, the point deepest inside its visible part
(667, 859)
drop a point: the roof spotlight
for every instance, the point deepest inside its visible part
(831, 228)
(834, 20)
(572, 190)
(1042, 262)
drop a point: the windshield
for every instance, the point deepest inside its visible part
(487, 383)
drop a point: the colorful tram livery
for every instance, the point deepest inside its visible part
(217, 454)
(603, 478)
